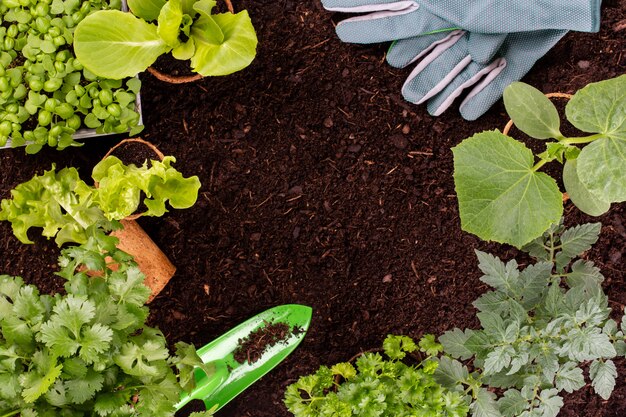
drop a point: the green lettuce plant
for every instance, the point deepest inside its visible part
(378, 386)
(539, 327)
(88, 351)
(66, 207)
(46, 94)
(501, 192)
(115, 45)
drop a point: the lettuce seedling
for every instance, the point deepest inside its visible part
(539, 326)
(66, 207)
(503, 196)
(115, 44)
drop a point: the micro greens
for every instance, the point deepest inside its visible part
(538, 327)
(45, 93)
(115, 45)
(503, 196)
(378, 386)
(65, 206)
(89, 351)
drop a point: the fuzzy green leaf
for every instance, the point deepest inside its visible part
(485, 405)
(569, 378)
(603, 376)
(497, 274)
(531, 111)
(576, 240)
(454, 341)
(500, 196)
(581, 197)
(450, 373)
(601, 108)
(512, 404)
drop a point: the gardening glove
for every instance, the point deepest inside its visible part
(448, 69)
(387, 20)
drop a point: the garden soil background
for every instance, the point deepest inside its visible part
(322, 186)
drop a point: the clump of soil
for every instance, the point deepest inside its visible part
(252, 347)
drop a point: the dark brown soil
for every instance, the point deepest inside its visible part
(252, 347)
(321, 186)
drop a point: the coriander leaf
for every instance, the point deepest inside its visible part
(94, 341)
(37, 382)
(81, 390)
(138, 360)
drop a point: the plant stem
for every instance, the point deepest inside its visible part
(10, 413)
(584, 139)
(539, 164)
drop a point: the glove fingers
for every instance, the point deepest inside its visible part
(437, 69)
(365, 6)
(384, 26)
(521, 51)
(502, 16)
(483, 47)
(406, 51)
(473, 75)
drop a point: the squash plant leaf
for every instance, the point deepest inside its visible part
(148, 10)
(602, 167)
(601, 108)
(114, 44)
(170, 18)
(531, 111)
(235, 52)
(579, 194)
(500, 196)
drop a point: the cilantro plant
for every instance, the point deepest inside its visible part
(66, 207)
(378, 386)
(503, 196)
(115, 45)
(89, 351)
(539, 326)
(46, 95)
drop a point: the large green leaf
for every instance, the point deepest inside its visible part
(601, 108)
(500, 196)
(170, 18)
(531, 111)
(233, 54)
(602, 168)
(148, 10)
(579, 194)
(114, 44)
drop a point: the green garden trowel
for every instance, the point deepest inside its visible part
(230, 377)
